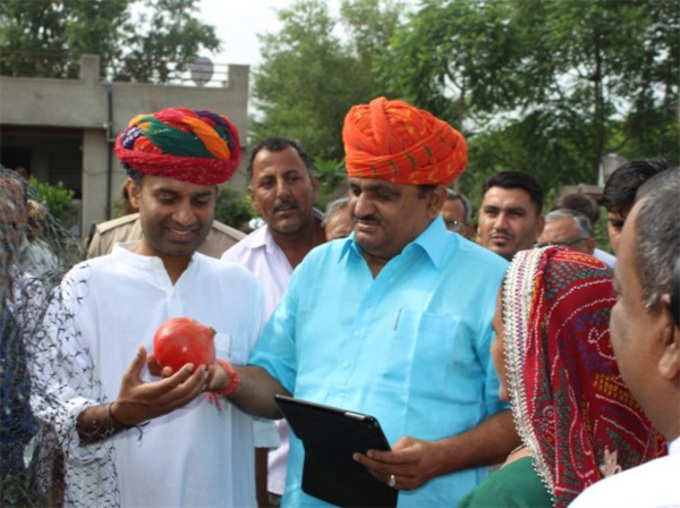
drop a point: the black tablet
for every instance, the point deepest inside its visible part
(330, 436)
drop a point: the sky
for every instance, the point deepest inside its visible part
(237, 24)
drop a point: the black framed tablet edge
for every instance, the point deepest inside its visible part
(330, 436)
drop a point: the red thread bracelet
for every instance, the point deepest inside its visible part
(234, 378)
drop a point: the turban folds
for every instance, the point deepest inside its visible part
(193, 146)
(394, 141)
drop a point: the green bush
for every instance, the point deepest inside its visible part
(234, 209)
(331, 173)
(57, 199)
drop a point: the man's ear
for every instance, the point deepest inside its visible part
(436, 201)
(669, 362)
(134, 192)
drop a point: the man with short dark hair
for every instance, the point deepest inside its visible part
(581, 203)
(128, 229)
(131, 438)
(568, 228)
(282, 189)
(618, 196)
(457, 213)
(645, 334)
(510, 216)
(376, 323)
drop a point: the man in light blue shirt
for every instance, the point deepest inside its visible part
(395, 320)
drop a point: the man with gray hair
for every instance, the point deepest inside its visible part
(457, 213)
(568, 228)
(645, 333)
(337, 222)
(587, 206)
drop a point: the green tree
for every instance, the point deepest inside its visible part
(309, 77)
(456, 59)
(172, 39)
(36, 36)
(332, 174)
(545, 87)
(45, 37)
(603, 67)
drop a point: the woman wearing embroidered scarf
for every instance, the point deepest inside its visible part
(577, 420)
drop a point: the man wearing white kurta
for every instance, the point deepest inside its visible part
(197, 455)
(136, 433)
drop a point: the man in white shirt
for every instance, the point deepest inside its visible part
(129, 437)
(645, 331)
(282, 189)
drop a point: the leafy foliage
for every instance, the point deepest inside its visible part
(309, 77)
(171, 41)
(44, 38)
(233, 209)
(543, 87)
(455, 59)
(332, 174)
(57, 199)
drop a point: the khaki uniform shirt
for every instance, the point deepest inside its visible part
(128, 228)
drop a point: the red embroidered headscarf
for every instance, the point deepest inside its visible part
(394, 141)
(193, 146)
(570, 405)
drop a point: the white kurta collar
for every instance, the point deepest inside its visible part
(150, 267)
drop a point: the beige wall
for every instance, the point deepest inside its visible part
(82, 103)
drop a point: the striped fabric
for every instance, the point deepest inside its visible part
(194, 146)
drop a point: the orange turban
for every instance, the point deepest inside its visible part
(395, 141)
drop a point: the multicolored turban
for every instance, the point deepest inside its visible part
(570, 405)
(193, 146)
(394, 141)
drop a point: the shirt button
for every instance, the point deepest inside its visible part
(357, 333)
(345, 365)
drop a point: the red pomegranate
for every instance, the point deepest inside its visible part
(183, 340)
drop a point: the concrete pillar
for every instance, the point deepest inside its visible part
(95, 157)
(89, 69)
(238, 77)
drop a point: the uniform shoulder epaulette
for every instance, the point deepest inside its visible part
(116, 223)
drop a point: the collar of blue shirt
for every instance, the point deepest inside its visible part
(430, 241)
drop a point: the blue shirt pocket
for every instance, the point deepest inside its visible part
(435, 353)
